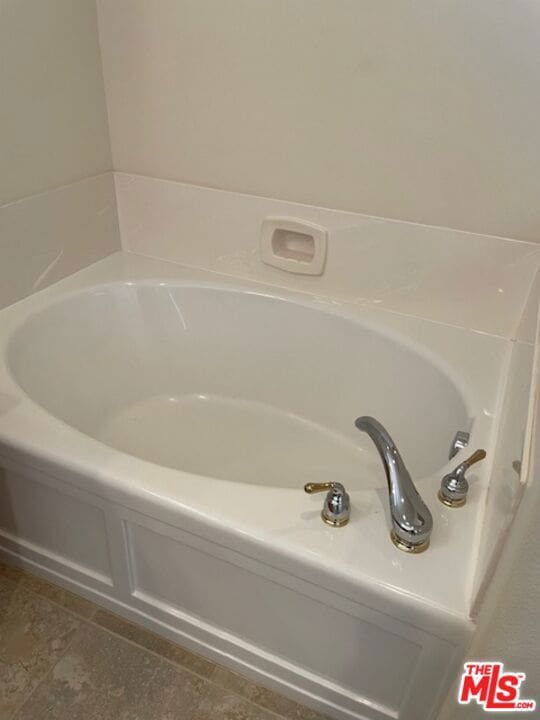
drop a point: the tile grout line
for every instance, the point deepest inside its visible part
(208, 680)
(147, 650)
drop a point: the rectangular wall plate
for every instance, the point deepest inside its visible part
(293, 245)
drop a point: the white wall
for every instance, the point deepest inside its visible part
(53, 118)
(57, 207)
(426, 111)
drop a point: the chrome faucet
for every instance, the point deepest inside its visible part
(411, 519)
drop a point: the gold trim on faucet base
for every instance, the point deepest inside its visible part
(449, 502)
(409, 547)
(333, 522)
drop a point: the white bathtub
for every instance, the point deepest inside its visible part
(157, 425)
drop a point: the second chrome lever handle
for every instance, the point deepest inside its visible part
(454, 486)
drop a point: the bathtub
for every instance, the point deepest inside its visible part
(157, 425)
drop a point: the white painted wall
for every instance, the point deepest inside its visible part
(53, 118)
(57, 204)
(425, 111)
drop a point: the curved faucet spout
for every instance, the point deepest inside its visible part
(411, 519)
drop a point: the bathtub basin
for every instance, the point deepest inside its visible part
(157, 425)
(235, 384)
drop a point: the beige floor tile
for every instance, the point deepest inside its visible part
(103, 677)
(154, 643)
(73, 603)
(219, 704)
(263, 697)
(34, 634)
(70, 601)
(11, 573)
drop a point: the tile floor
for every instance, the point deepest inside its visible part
(64, 658)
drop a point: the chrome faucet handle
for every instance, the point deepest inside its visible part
(454, 486)
(337, 505)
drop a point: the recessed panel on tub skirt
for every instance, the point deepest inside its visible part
(348, 651)
(51, 527)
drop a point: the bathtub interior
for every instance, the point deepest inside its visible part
(240, 386)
